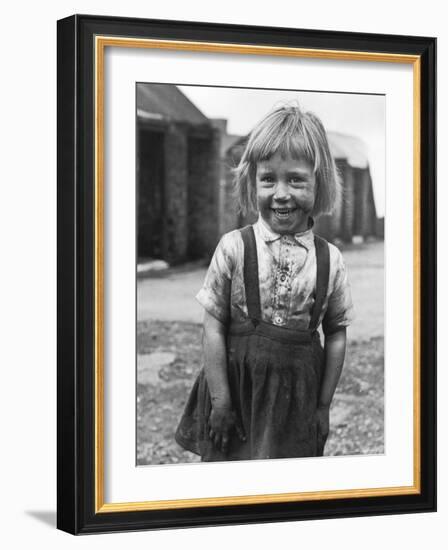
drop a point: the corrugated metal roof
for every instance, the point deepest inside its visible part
(227, 142)
(166, 102)
(350, 148)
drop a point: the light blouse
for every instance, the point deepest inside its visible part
(287, 279)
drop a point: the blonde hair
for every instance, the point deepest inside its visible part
(296, 134)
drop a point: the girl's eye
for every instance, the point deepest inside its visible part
(267, 179)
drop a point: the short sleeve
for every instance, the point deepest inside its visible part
(215, 293)
(340, 311)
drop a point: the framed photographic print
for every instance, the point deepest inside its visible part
(246, 274)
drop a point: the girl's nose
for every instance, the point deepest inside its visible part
(282, 192)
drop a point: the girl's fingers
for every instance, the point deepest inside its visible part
(221, 438)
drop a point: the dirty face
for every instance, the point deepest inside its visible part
(285, 193)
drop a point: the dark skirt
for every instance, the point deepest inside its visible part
(274, 378)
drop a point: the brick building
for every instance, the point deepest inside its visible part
(178, 152)
(184, 180)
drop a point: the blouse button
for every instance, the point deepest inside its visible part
(283, 278)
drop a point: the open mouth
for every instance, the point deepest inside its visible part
(283, 213)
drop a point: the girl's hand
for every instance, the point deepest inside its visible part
(222, 422)
(323, 428)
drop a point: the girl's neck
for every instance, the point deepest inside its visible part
(308, 227)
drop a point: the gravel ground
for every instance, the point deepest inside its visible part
(165, 376)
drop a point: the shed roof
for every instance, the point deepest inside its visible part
(350, 148)
(166, 102)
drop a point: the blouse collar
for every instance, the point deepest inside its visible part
(305, 238)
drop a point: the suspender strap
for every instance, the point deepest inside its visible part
(322, 276)
(251, 284)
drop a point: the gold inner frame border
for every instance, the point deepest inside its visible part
(100, 44)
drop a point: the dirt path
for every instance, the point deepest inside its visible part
(170, 358)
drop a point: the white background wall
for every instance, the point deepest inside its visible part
(28, 272)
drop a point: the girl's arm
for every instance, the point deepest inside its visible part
(222, 417)
(215, 361)
(335, 345)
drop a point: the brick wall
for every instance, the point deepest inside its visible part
(203, 194)
(176, 176)
(348, 201)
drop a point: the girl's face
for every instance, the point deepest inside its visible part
(285, 193)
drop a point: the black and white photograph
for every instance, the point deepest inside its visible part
(260, 230)
(220, 309)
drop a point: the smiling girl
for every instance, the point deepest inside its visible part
(267, 383)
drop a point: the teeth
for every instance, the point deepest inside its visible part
(282, 211)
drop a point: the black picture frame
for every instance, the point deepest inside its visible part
(77, 493)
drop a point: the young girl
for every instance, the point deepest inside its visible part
(267, 383)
